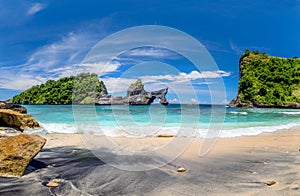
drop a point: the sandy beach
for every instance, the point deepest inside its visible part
(234, 166)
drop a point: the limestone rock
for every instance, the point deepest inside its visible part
(19, 121)
(16, 152)
(136, 95)
(161, 94)
(11, 106)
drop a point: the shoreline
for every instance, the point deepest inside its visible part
(234, 166)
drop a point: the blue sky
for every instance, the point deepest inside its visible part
(41, 40)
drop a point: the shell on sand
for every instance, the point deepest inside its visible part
(181, 169)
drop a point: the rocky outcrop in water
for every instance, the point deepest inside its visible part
(17, 120)
(268, 81)
(136, 95)
(16, 152)
(11, 106)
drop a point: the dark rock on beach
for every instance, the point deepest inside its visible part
(16, 152)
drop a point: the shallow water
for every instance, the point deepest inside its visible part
(174, 119)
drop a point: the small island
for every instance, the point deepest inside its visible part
(86, 88)
(268, 81)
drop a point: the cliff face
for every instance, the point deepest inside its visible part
(268, 81)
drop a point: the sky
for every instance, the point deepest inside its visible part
(50, 39)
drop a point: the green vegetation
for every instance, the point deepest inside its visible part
(269, 80)
(62, 91)
(138, 83)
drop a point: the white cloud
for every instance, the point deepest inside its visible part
(151, 52)
(53, 61)
(181, 77)
(35, 8)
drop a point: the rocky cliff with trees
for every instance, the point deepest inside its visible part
(268, 81)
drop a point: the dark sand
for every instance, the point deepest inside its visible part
(235, 166)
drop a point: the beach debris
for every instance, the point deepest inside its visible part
(52, 184)
(181, 169)
(74, 151)
(271, 182)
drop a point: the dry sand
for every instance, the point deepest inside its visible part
(234, 166)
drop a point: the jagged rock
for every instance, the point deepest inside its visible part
(16, 152)
(136, 95)
(161, 94)
(11, 106)
(236, 102)
(16, 120)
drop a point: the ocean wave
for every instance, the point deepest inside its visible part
(255, 130)
(290, 113)
(154, 131)
(238, 113)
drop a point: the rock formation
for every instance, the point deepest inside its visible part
(11, 106)
(16, 152)
(136, 95)
(161, 94)
(17, 120)
(268, 81)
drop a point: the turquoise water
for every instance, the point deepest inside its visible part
(142, 121)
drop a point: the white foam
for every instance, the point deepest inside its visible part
(254, 130)
(290, 113)
(238, 113)
(152, 131)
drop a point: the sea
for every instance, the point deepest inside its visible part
(158, 120)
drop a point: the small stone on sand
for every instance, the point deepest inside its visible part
(56, 180)
(271, 182)
(181, 169)
(52, 184)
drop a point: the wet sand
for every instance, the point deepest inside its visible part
(234, 166)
